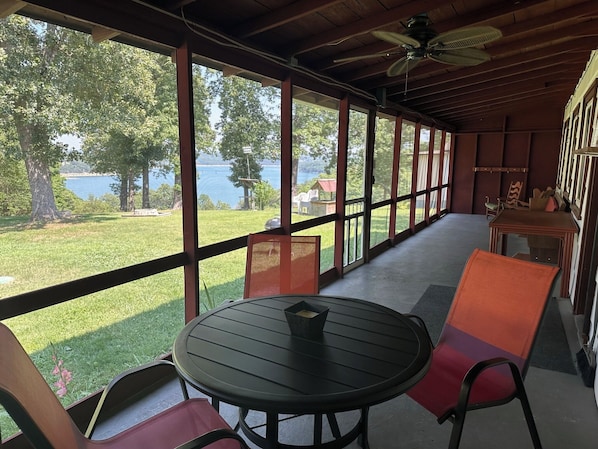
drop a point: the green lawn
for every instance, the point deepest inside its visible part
(99, 335)
(102, 334)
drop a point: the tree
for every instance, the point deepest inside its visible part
(356, 154)
(167, 111)
(112, 153)
(134, 126)
(383, 159)
(145, 137)
(36, 100)
(251, 118)
(315, 133)
(55, 81)
(247, 121)
(204, 134)
(265, 194)
(406, 157)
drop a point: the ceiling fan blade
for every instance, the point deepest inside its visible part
(465, 37)
(462, 56)
(372, 55)
(401, 66)
(397, 39)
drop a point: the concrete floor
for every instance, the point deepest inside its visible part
(565, 410)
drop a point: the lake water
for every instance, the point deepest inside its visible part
(212, 180)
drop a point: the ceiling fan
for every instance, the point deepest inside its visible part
(421, 41)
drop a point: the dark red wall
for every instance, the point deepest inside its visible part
(528, 141)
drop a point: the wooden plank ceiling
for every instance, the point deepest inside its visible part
(535, 64)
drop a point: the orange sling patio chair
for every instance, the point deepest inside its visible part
(483, 352)
(25, 395)
(282, 264)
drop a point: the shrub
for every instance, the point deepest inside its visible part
(97, 205)
(204, 202)
(265, 195)
(15, 196)
(162, 197)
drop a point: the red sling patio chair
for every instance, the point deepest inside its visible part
(25, 395)
(483, 351)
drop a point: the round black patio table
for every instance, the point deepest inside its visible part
(243, 353)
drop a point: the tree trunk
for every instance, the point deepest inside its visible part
(43, 203)
(294, 166)
(124, 189)
(145, 201)
(177, 197)
(131, 195)
(245, 197)
(294, 174)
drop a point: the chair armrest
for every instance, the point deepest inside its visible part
(133, 384)
(498, 200)
(502, 203)
(421, 323)
(470, 378)
(211, 437)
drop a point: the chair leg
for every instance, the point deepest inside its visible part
(527, 412)
(458, 422)
(531, 424)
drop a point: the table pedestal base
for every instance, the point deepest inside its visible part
(270, 441)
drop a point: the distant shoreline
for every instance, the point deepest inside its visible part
(212, 180)
(90, 174)
(80, 175)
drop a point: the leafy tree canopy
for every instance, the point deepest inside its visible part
(36, 100)
(55, 81)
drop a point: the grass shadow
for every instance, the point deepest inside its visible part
(23, 223)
